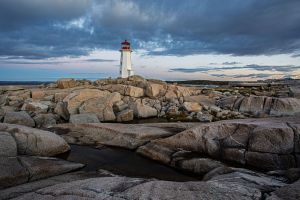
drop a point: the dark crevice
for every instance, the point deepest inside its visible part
(295, 136)
(29, 176)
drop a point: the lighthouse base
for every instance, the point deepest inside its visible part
(126, 73)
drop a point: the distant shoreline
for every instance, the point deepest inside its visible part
(25, 82)
(185, 82)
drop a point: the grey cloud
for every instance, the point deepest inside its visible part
(282, 68)
(244, 75)
(45, 29)
(254, 76)
(230, 63)
(15, 14)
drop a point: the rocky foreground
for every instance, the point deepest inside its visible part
(253, 155)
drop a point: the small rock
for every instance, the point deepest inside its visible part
(199, 165)
(62, 111)
(37, 94)
(204, 117)
(144, 111)
(3, 99)
(35, 106)
(119, 106)
(44, 120)
(125, 115)
(192, 106)
(66, 83)
(215, 109)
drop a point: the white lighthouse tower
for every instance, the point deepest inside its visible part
(125, 62)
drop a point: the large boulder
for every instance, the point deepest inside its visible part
(20, 148)
(266, 144)
(84, 118)
(35, 142)
(76, 98)
(21, 118)
(155, 89)
(230, 102)
(253, 105)
(38, 94)
(182, 91)
(273, 138)
(261, 105)
(66, 83)
(295, 92)
(134, 91)
(285, 107)
(192, 106)
(101, 106)
(143, 111)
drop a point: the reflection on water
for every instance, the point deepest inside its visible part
(123, 162)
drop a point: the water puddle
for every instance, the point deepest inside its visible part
(123, 162)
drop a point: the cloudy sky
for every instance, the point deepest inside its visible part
(172, 39)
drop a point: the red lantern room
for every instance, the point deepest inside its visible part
(125, 46)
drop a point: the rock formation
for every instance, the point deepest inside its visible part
(233, 157)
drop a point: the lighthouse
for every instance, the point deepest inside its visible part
(125, 62)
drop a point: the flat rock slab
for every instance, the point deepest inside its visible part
(22, 169)
(19, 190)
(115, 188)
(128, 136)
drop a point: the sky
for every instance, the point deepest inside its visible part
(43, 40)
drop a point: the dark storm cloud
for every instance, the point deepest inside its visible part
(45, 29)
(282, 68)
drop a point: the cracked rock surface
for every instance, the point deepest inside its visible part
(134, 188)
